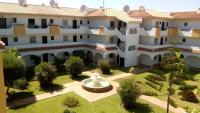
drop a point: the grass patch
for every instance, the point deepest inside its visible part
(110, 104)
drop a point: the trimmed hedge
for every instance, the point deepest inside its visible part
(71, 102)
(153, 85)
(150, 79)
(187, 87)
(149, 93)
(173, 103)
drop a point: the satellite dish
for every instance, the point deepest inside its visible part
(126, 8)
(52, 2)
(22, 2)
(83, 8)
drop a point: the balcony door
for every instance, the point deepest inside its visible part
(5, 40)
(74, 38)
(45, 57)
(112, 24)
(74, 24)
(161, 41)
(43, 23)
(44, 39)
(3, 23)
(31, 23)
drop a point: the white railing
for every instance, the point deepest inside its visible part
(81, 29)
(155, 46)
(39, 31)
(185, 33)
(7, 31)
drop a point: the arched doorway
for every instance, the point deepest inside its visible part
(31, 60)
(98, 58)
(111, 58)
(145, 60)
(48, 57)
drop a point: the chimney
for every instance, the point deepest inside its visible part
(141, 8)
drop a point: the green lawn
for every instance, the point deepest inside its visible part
(140, 79)
(110, 104)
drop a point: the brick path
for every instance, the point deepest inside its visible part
(92, 97)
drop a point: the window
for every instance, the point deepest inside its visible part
(81, 22)
(111, 39)
(51, 21)
(185, 24)
(81, 36)
(14, 20)
(133, 31)
(88, 36)
(165, 39)
(131, 48)
(183, 40)
(33, 39)
(31, 21)
(52, 37)
(88, 22)
(15, 39)
(111, 55)
(65, 38)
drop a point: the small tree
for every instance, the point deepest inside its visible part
(74, 66)
(13, 68)
(129, 92)
(105, 67)
(45, 74)
(175, 65)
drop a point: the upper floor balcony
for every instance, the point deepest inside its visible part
(80, 29)
(153, 32)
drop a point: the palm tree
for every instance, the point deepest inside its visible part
(175, 65)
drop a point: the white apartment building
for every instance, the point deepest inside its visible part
(124, 38)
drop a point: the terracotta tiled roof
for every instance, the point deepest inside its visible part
(186, 15)
(113, 13)
(148, 14)
(15, 8)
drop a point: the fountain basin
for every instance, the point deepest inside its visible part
(89, 85)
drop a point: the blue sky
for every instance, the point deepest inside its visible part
(162, 5)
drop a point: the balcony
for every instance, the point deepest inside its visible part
(7, 31)
(173, 32)
(39, 31)
(154, 47)
(196, 33)
(81, 30)
(54, 29)
(153, 32)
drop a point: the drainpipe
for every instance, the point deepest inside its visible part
(2, 84)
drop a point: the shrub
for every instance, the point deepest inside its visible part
(191, 110)
(29, 73)
(149, 93)
(68, 111)
(74, 66)
(105, 67)
(21, 84)
(70, 102)
(178, 81)
(45, 74)
(173, 103)
(158, 77)
(187, 87)
(59, 63)
(129, 92)
(131, 70)
(153, 85)
(80, 53)
(154, 81)
(173, 91)
(189, 96)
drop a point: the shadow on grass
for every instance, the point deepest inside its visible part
(20, 99)
(80, 77)
(53, 87)
(140, 108)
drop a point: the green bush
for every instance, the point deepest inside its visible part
(131, 70)
(74, 66)
(59, 63)
(187, 87)
(70, 102)
(105, 67)
(173, 103)
(45, 74)
(149, 93)
(173, 91)
(189, 96)
(178, 81)
(153, 85)
(191, 110)
(21, 84)
(68, 111)
(158, 77)
(129, 92)
(154, 81)
(80, 53)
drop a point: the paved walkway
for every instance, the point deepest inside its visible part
(91, 97)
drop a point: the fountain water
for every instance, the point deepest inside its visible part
(96, 84)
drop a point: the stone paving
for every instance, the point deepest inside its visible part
(91, 97)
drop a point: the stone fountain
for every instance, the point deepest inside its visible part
(96, 84)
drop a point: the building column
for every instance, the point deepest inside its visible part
(2, 88)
